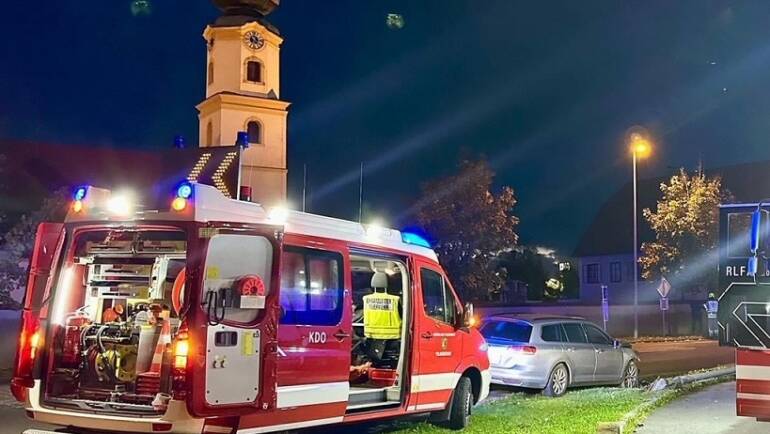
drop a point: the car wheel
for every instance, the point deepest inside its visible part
(630, 376)
(462, 403)
(557, 381)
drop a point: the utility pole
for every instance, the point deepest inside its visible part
(361, 194)
(304, 187)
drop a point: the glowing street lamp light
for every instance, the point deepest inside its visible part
(640, 148)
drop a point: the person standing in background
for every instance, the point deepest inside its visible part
(712, 307)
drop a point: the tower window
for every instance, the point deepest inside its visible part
(255, 132)
(211, 72)
(254, 71)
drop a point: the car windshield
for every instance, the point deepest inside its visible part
(515, 331)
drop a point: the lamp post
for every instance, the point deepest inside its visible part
(640, 148)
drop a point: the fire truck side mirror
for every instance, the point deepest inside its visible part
(469, 319)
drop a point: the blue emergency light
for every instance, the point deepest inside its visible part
(414, 239)
(184, 190)
(80, 193)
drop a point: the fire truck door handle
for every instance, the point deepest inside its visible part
(427, 335)
(341, 335)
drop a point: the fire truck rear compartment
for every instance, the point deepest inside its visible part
(114, 318)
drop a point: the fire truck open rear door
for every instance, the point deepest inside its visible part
(234, 320)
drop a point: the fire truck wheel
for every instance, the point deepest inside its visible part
(462, 404)
(557, 381)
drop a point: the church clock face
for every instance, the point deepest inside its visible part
(253, 40)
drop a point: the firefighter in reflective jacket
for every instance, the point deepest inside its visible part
(712, 307)
(382, 319)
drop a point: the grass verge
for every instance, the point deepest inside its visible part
(579, 411)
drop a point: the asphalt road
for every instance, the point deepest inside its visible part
(710, 411)
(657, 359)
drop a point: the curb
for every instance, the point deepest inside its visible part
(657, 387)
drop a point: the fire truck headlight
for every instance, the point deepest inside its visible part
(375, 231)
(278, 215)
(120, 205)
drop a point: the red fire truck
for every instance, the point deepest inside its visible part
(214, 315)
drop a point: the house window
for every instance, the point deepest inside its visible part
(616, 272)
(254, 71)
(592, 273)
(209, 134)
(254, 129)
(630, 271)
(211, 72)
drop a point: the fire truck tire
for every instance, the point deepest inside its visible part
(462, 405)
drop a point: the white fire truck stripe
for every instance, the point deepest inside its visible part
(756, 396)
(312, 394)
(751, 372)
(433, 406)
(290, 426)
(431, 382)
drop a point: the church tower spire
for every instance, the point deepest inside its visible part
(243, 94)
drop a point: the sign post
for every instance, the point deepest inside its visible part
(664, 289)
(605, 306)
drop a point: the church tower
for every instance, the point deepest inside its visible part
(243, 94)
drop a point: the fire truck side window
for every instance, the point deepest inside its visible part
(437, 298)
(311, 288)
(230, 261)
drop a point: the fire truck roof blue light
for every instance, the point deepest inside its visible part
(414, 239)
(80, 193)
(184, 191)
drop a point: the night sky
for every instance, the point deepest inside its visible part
(545, 90)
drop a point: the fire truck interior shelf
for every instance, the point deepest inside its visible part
(378, 347)
(116, 311)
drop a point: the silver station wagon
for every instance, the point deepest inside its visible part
(553, 353)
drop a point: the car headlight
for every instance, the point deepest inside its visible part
(484, 347)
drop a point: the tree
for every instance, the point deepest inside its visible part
(686, 224)
(17, 246)
(471, 227)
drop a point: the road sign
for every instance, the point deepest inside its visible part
(664, 288)
(664, 303)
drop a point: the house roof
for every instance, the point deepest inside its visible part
(611, 231)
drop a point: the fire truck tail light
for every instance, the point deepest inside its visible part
(30, 342)
(179, 370)
(181, 350)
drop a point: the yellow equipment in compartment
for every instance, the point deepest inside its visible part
(118, 360)
(381, 316)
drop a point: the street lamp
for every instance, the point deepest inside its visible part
(640, 148)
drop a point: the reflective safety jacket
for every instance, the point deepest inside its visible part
(712, 306)
(381, 316)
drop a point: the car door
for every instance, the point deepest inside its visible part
(580, 353)
(439, 344)
(314, 334)
(609, 360)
